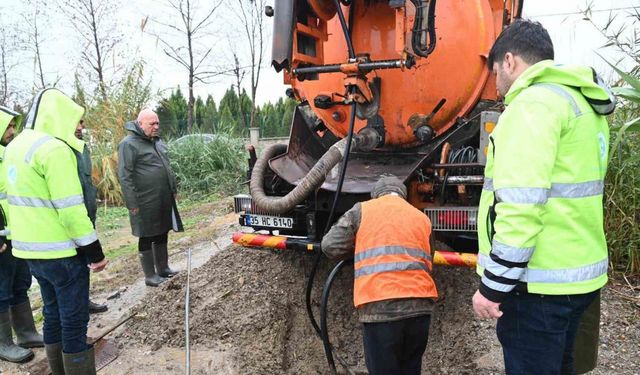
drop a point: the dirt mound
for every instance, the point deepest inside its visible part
(250, 304)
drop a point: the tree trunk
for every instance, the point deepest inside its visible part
(191, 99)
(99, 69)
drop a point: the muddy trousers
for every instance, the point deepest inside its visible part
(64, 285)
(396, 347)
(144, 243)
(15, 280)
(537, 332)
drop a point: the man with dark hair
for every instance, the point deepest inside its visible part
(390, 241)
(543, 253)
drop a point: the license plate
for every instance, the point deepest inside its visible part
(269, 221)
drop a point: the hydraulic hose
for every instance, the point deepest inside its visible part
(343, 169)
(323, 312)
(316, 261)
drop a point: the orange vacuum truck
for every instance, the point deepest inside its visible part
(405, 83)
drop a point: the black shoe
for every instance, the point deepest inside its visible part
(96, 308)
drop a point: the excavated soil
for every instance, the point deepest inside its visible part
(249, 304)
(247, 307)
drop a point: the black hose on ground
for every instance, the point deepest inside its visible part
(323, 312)
(343, 169)
(316, 261)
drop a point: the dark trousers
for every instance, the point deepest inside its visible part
(537, 332)
(15, 280)
(396, 347)
(144, 243)
(64, 285)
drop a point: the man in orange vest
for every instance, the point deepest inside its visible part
(393, 289)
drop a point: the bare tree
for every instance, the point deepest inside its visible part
(8, 61)
(95, 24)
(34, 41)
(239, 72)
(191, 52)
(251, 15)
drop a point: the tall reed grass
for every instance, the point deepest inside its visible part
(208, 167)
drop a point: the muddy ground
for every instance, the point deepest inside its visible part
(248, 314)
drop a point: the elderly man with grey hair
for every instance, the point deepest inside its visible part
(149, 189)
(390, 241)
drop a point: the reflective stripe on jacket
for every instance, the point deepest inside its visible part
(393, 256)
(541, 215)
(43, 190)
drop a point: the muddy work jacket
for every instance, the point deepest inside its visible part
(540, 223)
(392, 258)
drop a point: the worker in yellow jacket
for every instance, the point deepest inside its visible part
(543, 254)
(15, 278)
(50, 227)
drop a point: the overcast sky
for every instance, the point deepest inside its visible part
(575, 40)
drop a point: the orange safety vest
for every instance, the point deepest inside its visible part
(393, 256)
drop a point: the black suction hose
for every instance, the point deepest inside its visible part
(345, 30)
(343, 169)
(323, 312)
(336, 198)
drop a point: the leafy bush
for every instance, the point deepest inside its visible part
(207, 167)
(622, 222)
(105, 121)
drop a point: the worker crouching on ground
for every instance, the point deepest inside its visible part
(50, 227)
(543, 253)
(149, 189)
(15, 278)
(393, 289)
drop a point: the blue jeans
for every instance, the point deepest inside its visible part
(15, 281)
(64, 285)
(396, 347)
(537, 332)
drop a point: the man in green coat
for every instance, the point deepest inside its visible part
(543, 254)
(149, 189)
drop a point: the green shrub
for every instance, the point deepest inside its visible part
(622, 205)
(622, 193)
(208, 167)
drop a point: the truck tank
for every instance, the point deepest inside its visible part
(411, 79)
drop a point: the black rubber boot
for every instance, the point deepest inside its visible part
(161, 259)
(54, 357)
(96, 308)
(150, 276)
(83, 363)
(8, 350)
(25, 328)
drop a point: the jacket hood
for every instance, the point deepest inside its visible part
(54, 113)
(134, 127)
(582, 78)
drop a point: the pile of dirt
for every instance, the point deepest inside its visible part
(250, 305)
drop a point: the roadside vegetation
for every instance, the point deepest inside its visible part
(622, 189)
